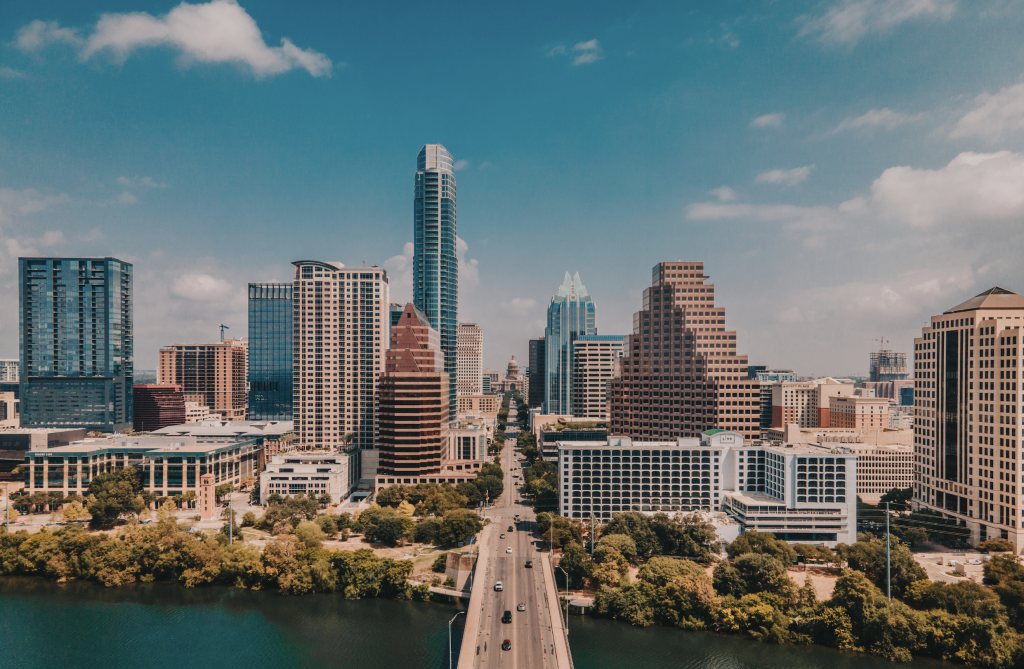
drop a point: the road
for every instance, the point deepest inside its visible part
(530, 631)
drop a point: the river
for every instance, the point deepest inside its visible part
(156, 626)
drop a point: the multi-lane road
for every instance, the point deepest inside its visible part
(531, 635)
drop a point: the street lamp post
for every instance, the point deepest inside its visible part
(450, 637)
(566, 599)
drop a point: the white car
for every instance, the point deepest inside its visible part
(497, 587)
(508, 550)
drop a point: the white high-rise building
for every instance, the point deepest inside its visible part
(9, 371)
(967, 416)
(341, 328)
(595, 362)
(471, 359)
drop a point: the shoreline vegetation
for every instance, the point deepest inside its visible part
(680, 584)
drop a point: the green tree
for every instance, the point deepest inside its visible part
(898, 498)
(639, 527)
(577, 564)
(764, 543)
(661, 571)
(440, 563)
(439, 501)
(468, 490)
(222, 489)
(686, 536)
(113, 494)
(427, 531)
(249, 519)
(996, 545)
(869, 557)
(623, 543)
(310, 534)
(457, 525)
(391, 496)
(490, 486)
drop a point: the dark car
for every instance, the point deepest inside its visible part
(507, 618)
(529, 564)
(506, 644)
(511, 529)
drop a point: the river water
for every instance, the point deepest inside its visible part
(155, 626)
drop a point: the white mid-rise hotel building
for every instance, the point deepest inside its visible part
(803, 493)
(967, 413)
(470, 369)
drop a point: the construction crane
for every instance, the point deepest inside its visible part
(882, 341)
(222, 329)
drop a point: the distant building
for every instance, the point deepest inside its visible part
(470, 359)
(197, 413)
(77, 343)
(158, 406)
(513, 380)
(535, 394)
(888, 365)
(802, 493)
(9, 371)
(806, 403)
(907, 397)
(270, 351)
(595, 363)
(480, 405)
(858, 413)
(491, 381)
(571, 314)
(213, 375)
(766, 377)
(9, 416)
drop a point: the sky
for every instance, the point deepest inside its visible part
(845, 168)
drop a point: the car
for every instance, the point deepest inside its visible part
(507, 618)
(506, 644)
(497, 587)
(529, 564)
(521, 607)
(511, 529)
(502, 535)
(508, 550)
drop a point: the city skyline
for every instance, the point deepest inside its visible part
(778, 143)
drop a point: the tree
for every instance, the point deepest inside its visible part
(324, 500)
(406, 509)
(490, 486)
(1003, 569)
(577, 564)
(687, 536)
(457, 525)
(222, 489)
(390, 496)
(898, 498)
(469, 490)
(440, 564)
(427, 531)
(392, 529)
(310, 534)
(113, 494)
(623, 543)
(764, 543)
(996, 545)
(565, 531)
(869, 557)
(439, 501)
(249, 519)
(248, 481)
(639, 527)
(73, 511)
(491, 469)
(661, 571)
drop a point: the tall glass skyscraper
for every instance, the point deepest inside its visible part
(76, 337)
(270, 351)
(435, 265)
(571, 314)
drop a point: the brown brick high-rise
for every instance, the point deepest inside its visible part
(413, 399)
(681, 373)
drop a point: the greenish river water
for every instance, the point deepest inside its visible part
(153, 626)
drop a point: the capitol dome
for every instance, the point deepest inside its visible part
(513, 367)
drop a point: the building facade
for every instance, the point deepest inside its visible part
(858, 413)
(340, 330)
(77, 343)
(213, 375)
(806, 403)
(595, 362)
(766, 377)
(888, 365)
(471, 359)
(571, 315)
(270, 351)
(435, 266)
(9, 371)
(480, 405)
(333, 474)
(803, 493)
(681, 372)
(968, 406)
(9, 411)
(536, 382)
(158, 406)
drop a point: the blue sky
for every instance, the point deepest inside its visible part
(844, 168)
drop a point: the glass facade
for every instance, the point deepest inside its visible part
(435, 264)
(571, 314)
(76, 341)
(270, 351)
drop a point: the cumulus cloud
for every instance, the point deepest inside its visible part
(556, 51)
(200, 287)
(768, 121)
(849, 21)
(469, 271)
(461, 165)
(28, 201)
(521, 306)
(127, 198)
(400, 275)
(724, 194)
(791, 177)
(215, 32)
(877, 118)
(589, 52)
(993, 116)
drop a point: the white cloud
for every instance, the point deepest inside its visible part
(849, 21)
(127, 198)
(791, 177)
(768, 121)
(521, 306)
(874, 118)
(219, 31)
(27, 201)
(724, 194)
(993, 116)
(400, 275)
(589, 52)
(201, 287)
(469, 271)
(461, 165)
(556, 51)
(11, 73)
(809, 224)
(41, 34)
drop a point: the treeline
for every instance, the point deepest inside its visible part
(168, 552)
(432, 498)
(751, 592)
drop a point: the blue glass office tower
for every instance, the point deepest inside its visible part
(571, 314)
(270, 351)
(435, 266)
(75, 331)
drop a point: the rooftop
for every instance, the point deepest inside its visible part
(993, 298)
